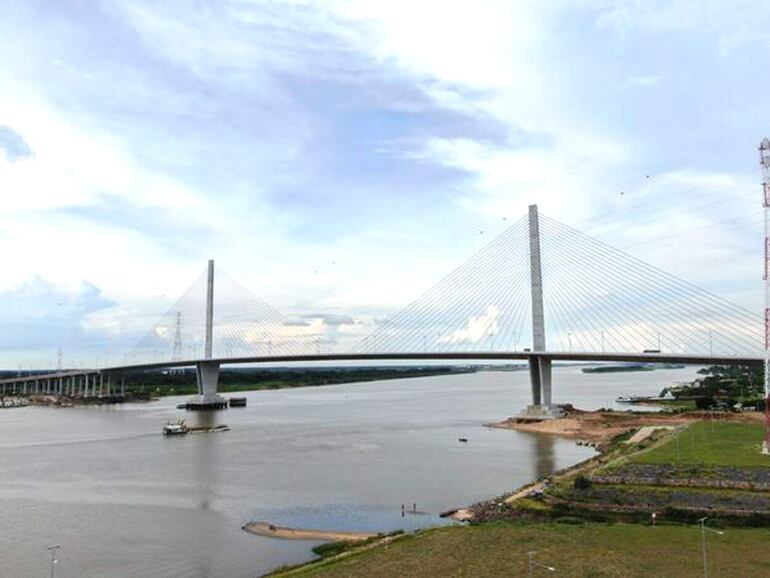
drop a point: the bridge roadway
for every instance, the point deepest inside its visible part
(96, 382)
(682, 358)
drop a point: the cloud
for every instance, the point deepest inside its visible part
(476, 328)
(504, 180)
(39, 316)
(13, 144)
(642, 81)
(332, 319)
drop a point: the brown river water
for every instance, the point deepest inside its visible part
(122, 500)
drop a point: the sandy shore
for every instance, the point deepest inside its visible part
(271, 531)
(600, 427)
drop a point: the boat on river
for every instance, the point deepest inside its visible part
(632, 398)
(175, 428)
(179, 427)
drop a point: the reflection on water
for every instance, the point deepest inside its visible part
(205, 457)
(544, 455)
(123, 500)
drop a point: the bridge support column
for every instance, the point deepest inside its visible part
(534, 380)
(208, 379)
(539, 365)
(540, 381)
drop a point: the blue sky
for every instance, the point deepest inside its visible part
(337, 158)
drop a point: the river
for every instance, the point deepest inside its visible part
(122, 500)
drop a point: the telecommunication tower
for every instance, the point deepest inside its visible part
(764, 161)
(177, 354)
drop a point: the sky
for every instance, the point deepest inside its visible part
(339, 158)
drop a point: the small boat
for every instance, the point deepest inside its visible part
(631, 398)
(175, 428)
(464, 440)
(181, 406)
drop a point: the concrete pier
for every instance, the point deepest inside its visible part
(208, 371)
(539, 366)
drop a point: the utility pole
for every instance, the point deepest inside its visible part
(535, 564)
(54, 560)
(764, 161)
(703, 528)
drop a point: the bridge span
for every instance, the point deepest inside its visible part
(603, 306)
(109, 381)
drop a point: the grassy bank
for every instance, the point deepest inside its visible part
(500, 549)
(711, 443)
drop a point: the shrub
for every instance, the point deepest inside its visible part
(570, 520)
(330, 549)
(582, 483)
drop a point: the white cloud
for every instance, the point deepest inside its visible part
(476, 328)
(647, 81)
(561, 178)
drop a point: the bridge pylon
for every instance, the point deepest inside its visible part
(208, 371)
(539, 365)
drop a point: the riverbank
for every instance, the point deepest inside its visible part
(50, 400)
(600, 427)
(681, 468)
(272, 531)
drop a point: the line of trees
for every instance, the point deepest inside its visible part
(725, 387)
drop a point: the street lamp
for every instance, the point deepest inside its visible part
(535, 564)
(54, 561)
(703, 529)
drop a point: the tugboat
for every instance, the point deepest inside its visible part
(175, 428)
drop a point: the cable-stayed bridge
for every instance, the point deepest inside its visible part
(540, 292)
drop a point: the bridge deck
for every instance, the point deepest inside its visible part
(688, 359)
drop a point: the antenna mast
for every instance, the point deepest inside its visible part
(764, 161)
(177, 354)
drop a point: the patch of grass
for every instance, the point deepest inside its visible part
(711, 443)
(532, 505)
(588, 550)
(328, 549)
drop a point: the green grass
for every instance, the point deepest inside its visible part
(711, 443)
(595, 550)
